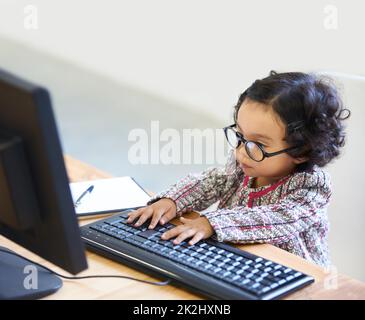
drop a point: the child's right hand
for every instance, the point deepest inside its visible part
(162, 210)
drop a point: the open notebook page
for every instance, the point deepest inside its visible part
(108, 195)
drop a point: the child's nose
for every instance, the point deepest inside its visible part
(241, 154)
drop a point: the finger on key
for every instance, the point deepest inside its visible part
(167, 216)
(173, 232)
(197, 237)
(134, 214)
(182, 236)
(156, 217)
(146, 215)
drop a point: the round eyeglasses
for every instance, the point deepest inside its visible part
(253, 149)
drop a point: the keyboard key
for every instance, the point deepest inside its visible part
(225, 274)
(168, 244)
(287, 270)
(138, 238)
(187, 245)
(216, 262)
(265, 289)
(255, 285)
(272, 279)
(148, 234)
(245, 281)
(113, 222)
(175, 254)
(264, 282)
(277, 267)
(297, 274)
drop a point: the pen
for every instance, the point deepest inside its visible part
(88, 190)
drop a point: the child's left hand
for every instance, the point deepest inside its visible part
(198, 229)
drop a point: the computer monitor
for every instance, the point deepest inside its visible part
(36, 207)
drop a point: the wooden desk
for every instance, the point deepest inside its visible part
(328, 285)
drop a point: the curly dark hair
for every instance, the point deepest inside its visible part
(311, 108)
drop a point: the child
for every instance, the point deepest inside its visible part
(272, 189)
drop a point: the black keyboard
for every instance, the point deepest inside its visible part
(211, 268)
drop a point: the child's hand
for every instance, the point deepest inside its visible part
(198, 229)
(162, 210)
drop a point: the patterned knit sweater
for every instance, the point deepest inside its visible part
(290, 213)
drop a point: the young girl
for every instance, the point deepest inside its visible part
(272, 189)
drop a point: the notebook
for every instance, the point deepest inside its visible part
(108, 195)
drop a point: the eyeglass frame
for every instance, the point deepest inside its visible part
(241, 139)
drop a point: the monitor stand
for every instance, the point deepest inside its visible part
(19, 279)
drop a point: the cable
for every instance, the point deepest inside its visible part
(161, 283)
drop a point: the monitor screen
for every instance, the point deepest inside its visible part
(37, 210)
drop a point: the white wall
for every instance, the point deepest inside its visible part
(199, 52)
(346, 210)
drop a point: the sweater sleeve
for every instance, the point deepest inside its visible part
(295, 212)
(199, 191)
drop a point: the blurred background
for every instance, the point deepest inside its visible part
(113, 66)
